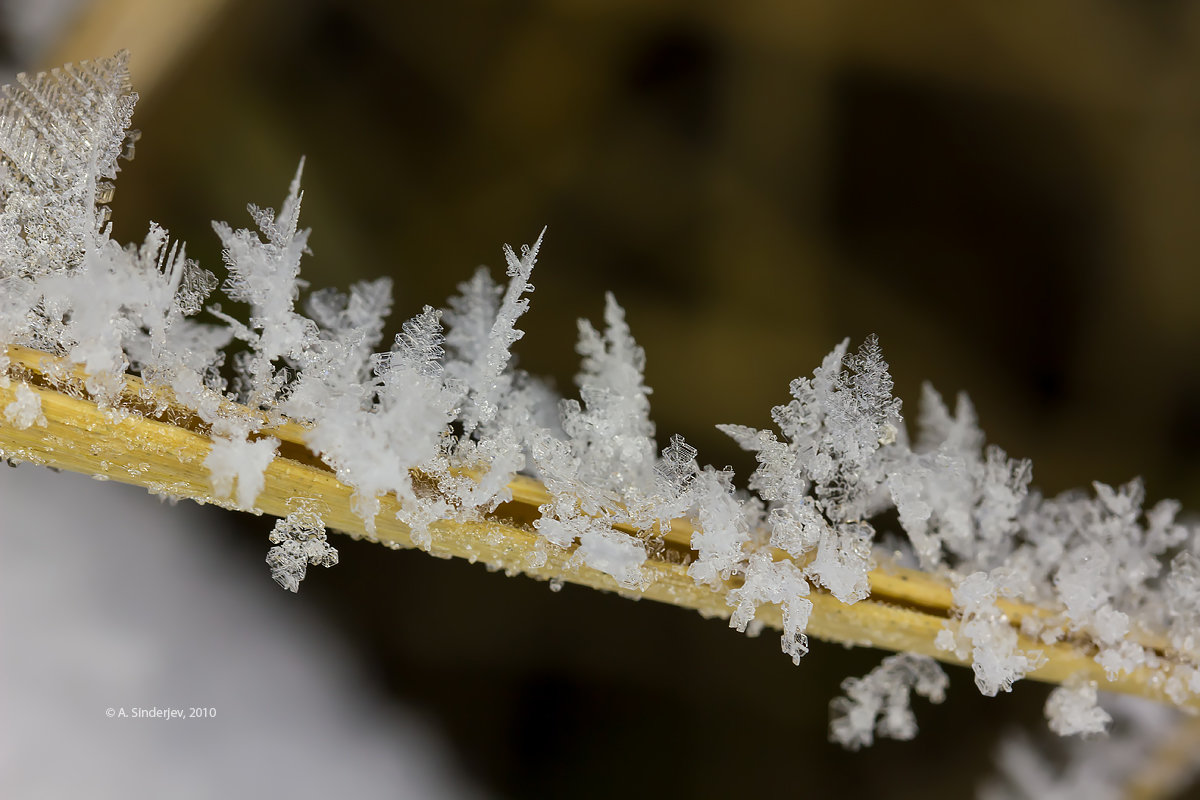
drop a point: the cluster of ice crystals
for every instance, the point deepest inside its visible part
(615, 553)
(781, 582)
(611, 433)
(823, 481)
(264, 271)
(482, 322)
(1183, 602)
(26, 410)
(880, 702)
(604, 472)
(1073, 709)
(444, 419)
(337, 362)
(956, 501)
(61, 135)
(237, 465)
(299, 540)
(723, 528)
(984, 635)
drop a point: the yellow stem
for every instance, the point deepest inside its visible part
(163, 449)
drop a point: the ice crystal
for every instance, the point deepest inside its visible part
(984, 635)
(482, 324)
(611, 433)
(264, 270)
(1073, 709)
(240, 462)
(879, 703)
(779, 582)
(299, 540)
(61, 136)
(26, 410)
(723, 526)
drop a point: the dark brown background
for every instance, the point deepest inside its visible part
(1006, 194)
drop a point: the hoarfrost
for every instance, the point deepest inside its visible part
(240, 463)
(443, 420)
(880, 702)
(984, 635)
(299, 540)
(1073, 709)
(26, 410)
(613, 552)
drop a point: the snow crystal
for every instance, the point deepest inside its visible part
(880, 702)
(611, 433)
(299, 540)
(482, 329)
(26, 410)
(843, 560)
(614, 553)
(375, 448)
(264, 273)
(722, 530)
(1072, 709)
(678, 466)
(779, 582)
(240, 463)
(984, 635)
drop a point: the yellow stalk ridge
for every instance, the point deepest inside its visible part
(163, 450)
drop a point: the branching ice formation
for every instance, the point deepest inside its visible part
(879, 702)
(443, 422)
(299, 540)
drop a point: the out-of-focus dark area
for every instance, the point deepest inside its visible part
(1008, 195)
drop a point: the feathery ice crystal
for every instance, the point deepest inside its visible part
(443, 420)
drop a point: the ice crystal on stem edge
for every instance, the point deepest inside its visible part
(443, 420)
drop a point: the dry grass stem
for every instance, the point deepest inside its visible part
(162, 447)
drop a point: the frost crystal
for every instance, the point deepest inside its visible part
(62, 134)
(240, 462)
(482, 323)
(618, 554)
(299, 541)
(26, 410)
(1073, 709)
(722, 530)
(611, 433)
(879, 703)
(264, 269)
(779, 582)
(985, 636)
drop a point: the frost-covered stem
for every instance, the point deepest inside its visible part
(164, 451)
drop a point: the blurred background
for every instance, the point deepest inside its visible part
(1007, 195)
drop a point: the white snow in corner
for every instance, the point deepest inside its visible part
(107, 601)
